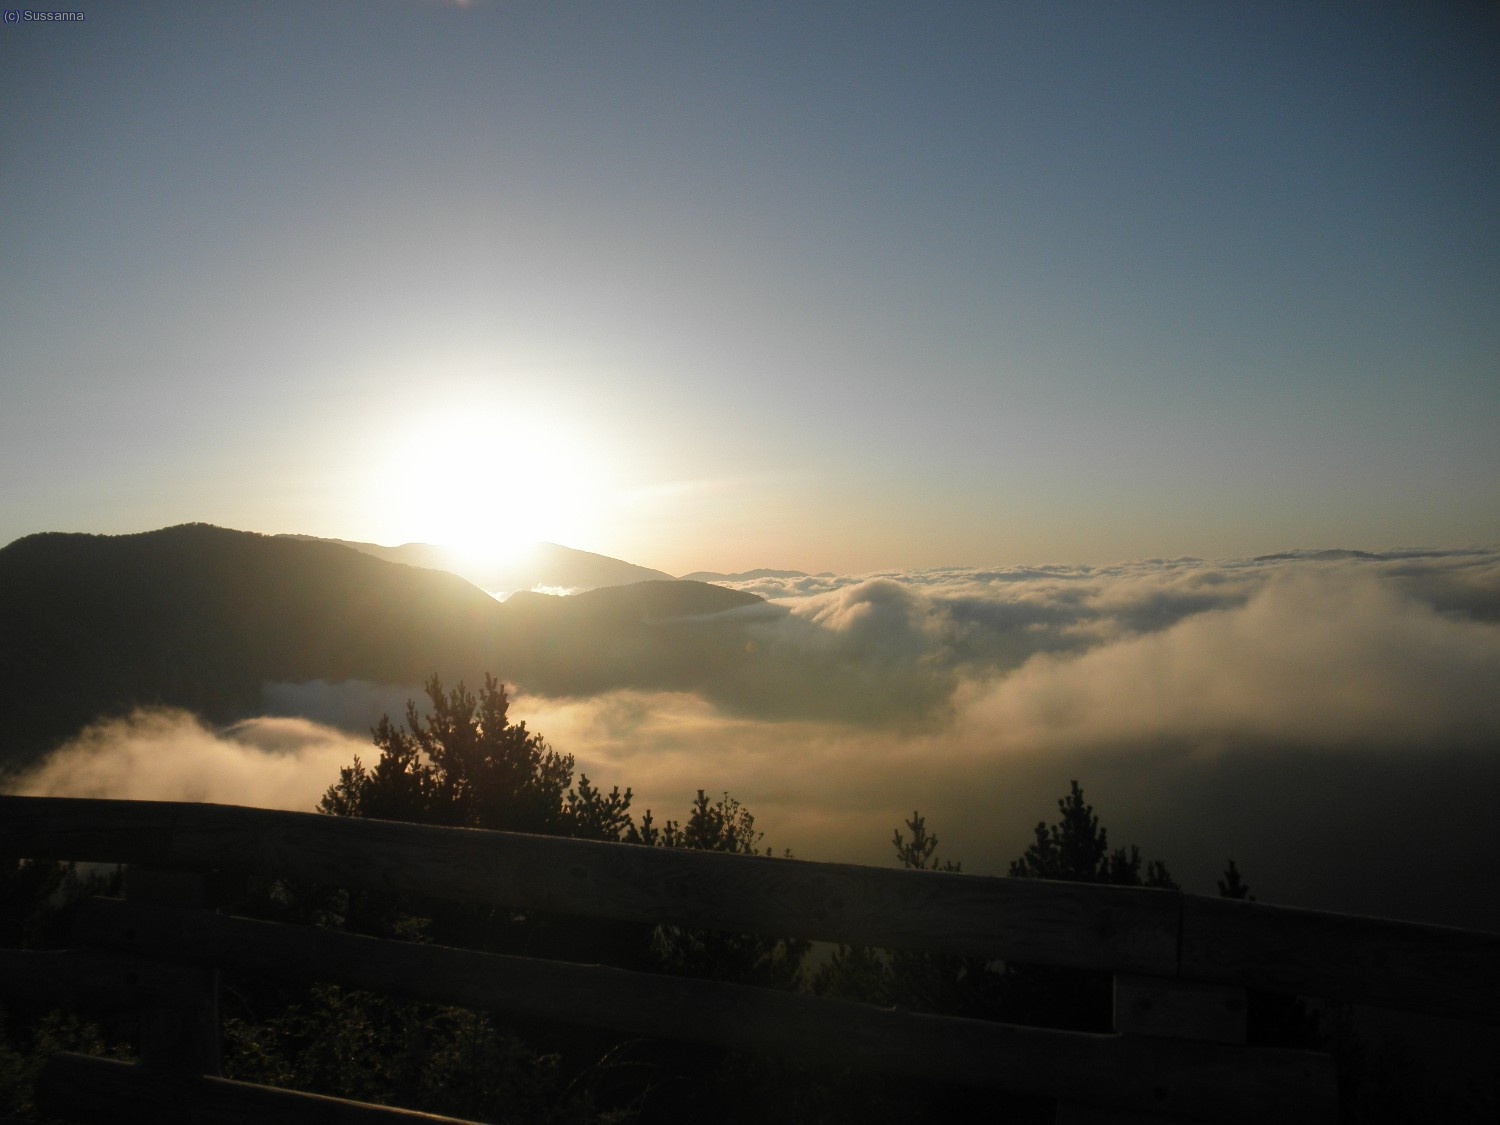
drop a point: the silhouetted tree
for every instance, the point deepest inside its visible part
(1077, 849)
(465, 763)
(1233, 886)
(918, 853)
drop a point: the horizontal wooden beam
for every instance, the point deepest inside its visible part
(1433, 969)
(178, 1028)
(1024, 920)
(1124, 929)
(82, 976)
(1179, 1009)
(84, 1088)
(1182, 1079)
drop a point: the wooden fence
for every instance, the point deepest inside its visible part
(1181, 962)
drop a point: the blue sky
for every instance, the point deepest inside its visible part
(713, 286)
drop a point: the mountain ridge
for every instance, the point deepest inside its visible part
(203, 618)
(537, 565)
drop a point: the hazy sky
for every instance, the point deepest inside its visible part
(711, 285)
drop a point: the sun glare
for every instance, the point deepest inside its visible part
(488, 482)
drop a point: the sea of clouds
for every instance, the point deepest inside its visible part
(1330, 720)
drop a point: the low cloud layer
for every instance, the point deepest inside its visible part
(1338, 661)
(1320, 719)
(168, 755)
(903, 649)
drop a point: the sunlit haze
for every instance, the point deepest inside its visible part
(487, 479)
(836, 287)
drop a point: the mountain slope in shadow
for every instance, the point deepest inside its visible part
(201, 617)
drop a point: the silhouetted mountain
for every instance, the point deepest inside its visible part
(538, 565)
(199, 617)
(202, 618)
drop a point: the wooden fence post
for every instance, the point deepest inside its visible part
(180, 1023)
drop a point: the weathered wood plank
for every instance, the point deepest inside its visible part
(79, 976)
(1131, 930)
(84, 1088)
(1419, 968)
(1073, 924)
(179, 1020)
(1179, 1009)
(1073, 1113)
(1175, 1078)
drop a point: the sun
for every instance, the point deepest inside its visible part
(487, 482)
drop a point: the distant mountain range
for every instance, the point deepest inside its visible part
(203, 618)
(749, 575)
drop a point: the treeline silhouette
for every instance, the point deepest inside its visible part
(463, 762)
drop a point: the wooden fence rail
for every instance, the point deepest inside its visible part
(1181, 961)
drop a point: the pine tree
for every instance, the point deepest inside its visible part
(1077, 849)
(466, 764)
(1233, 886)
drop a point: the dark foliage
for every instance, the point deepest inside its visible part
(466, 764)
(36, 899)
(772, 962)
(353, 1044)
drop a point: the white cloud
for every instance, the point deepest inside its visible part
(1321, 659)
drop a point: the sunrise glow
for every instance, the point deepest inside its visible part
(487, 480)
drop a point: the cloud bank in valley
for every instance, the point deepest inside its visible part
(169, 755)
(1316, 717)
